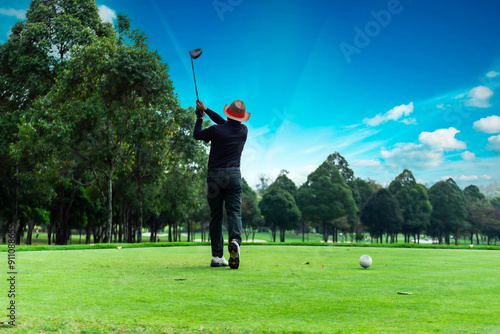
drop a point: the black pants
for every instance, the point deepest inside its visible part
(224, 189)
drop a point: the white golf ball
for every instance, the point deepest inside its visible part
(365, 261)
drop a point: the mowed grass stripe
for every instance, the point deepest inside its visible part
(174, 289)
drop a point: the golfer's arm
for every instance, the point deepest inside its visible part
(200, 134)
(215, 117)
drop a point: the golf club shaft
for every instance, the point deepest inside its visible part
(194, 76)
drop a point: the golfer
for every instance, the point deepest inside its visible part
(227, 139)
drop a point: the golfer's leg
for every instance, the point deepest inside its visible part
(215, 201)
(232, 198)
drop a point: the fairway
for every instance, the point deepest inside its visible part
(174, 289)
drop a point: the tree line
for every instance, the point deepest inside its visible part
(333, 201)
(92, 137)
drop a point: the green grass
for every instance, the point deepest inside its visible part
(155, 290)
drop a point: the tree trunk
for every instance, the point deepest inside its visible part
(5, 226)
(120, 224)
(20, 231)
(49, 233)
(303, 230)
(31, 225)
(139, 206)
(109, 208)
(15, 204)
(87, 237)
(325, 232)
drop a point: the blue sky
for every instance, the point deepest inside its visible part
(388, 84)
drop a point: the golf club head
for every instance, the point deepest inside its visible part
(195, 53)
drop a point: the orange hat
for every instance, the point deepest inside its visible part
(237, 111)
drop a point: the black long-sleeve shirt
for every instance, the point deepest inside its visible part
(228, 138)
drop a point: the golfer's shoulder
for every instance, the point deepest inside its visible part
(244, 128)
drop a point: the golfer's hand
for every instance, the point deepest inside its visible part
(200, 106)
(199, 113)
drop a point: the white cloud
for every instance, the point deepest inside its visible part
(468, 178)
(367, 163)
(479, 97)
(392, 115)
(490, 124)
(429, 153)
(474, 177)
(492, 74)
(468, 155)
(494, 143)
(443, 106)
(409, 121)
(106, 14)
(409, 155)
(442, 139)
(18, 13)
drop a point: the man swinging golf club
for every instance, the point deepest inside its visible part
(227, 139)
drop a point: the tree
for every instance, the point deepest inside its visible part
(107, 103)
(381, 215)
(249, 208)
(263, 185)
(361, 191)
(285, 183)
(342, 166)
(449, 210)
(279, 210)
(478, 210)
(30, 60)
(491, 225)
(495, 201)
(413, 203)
(285, 202)
(325, 197)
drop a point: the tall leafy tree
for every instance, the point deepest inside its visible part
(30, 60)
(478, 211)
(491, 225)
(449, 210)
(183, 184)
(413, 203)
(495, 201)
(249, 208)
(279, 210)
(325, 197)
(110, 96)
(285, 183)
(381, 214)
(361, 190)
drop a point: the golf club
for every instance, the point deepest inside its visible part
(195, 54)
